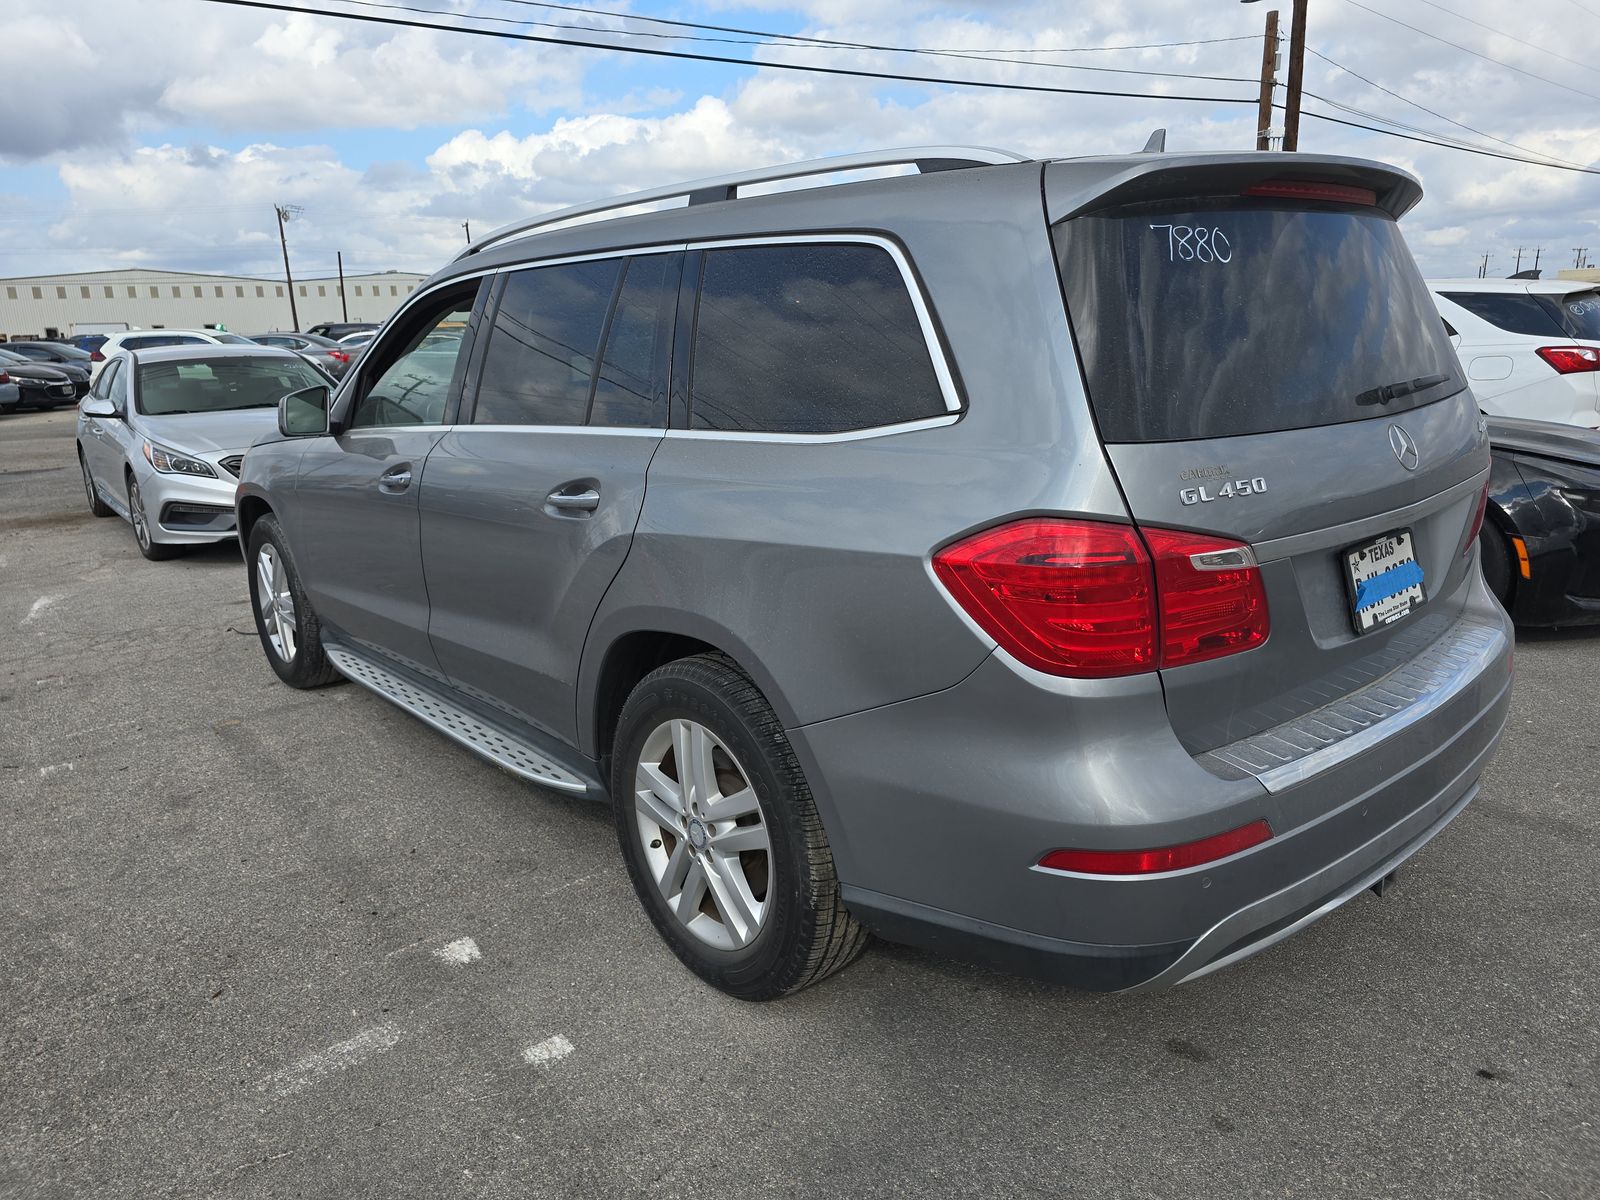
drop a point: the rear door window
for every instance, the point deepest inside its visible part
(810, 338)
(1244, 317)
(630, 388)
(1509, 311)
(541, 357)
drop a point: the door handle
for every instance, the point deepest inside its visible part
(585, 501)
(395, 479)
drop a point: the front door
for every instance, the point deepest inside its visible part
(530, 503)
(356, 533)
(111, 444)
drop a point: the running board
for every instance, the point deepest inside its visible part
(498, 745)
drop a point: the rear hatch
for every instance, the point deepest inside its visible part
(1266, 365)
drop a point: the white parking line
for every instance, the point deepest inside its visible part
(55, 769)
(340, 1056)
(38, 606)
(552, 1049)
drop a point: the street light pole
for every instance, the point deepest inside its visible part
(286, 211)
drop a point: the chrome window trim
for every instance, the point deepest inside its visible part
(919, 304)
(651, 431)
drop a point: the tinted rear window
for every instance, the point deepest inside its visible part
(1513, 312)
(808, 339)
(1578, 312)
(1222, 320)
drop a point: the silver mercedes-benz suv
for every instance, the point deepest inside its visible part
(1070, 564)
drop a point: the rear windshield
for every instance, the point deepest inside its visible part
(221, 384)
(1218, 320)
(1579, 313)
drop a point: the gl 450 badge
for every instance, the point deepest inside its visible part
(1206, 493)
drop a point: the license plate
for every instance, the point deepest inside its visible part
(1385, 580)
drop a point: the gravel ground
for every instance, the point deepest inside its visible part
(255, 942)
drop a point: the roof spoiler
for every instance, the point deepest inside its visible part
(1077, 186)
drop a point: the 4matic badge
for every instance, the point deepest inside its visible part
(1205, 493)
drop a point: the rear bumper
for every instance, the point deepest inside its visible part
(937, 851)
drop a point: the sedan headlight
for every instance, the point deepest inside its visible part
(170, 462)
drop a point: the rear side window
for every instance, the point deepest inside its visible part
(542, 349)
(808, 338)
(1509, 311)
(629, 389)
(1248, 317)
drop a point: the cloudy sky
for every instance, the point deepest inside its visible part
(161, 132)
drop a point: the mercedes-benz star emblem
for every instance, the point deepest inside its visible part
(1404, 448)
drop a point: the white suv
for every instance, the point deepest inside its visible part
(145, 339)
(1531, 347)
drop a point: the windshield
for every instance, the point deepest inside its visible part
(232, 339)
(15, 360)
(1240, 317)
(221, 384)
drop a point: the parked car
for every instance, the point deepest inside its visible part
(1531, 347)
(90, 342)
(67, 358)
(10, 393)
(1541, 542)
(794, 526)
(320, 351)
(148, 339)
(337, 329)
(39, 385)
(161, 436)
(359, 338)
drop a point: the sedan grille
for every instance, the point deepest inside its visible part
(232, 464)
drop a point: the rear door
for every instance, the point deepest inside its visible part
(1272, 369)
(529, 503)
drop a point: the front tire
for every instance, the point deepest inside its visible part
(721, 834)
(285, 621)
(153, 550)
(97, 506)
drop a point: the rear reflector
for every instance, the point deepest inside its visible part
(1092, 600)
(1570, 360)
(1305, 189)
(1166, 858)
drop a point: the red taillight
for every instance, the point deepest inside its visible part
(1091, 600)
(1166, 858)
(1570, 360)
(96, 356)
(1068, 597)
(4, 378)
(1475, 526)
(1212, 599)
(1305, 189)
(338, 356)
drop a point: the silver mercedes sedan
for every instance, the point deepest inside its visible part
(162, 432)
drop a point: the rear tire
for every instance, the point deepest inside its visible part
(285, 621)
(1496, 556)
(726, 852)
(97, 506)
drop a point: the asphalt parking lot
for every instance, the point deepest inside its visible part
(255, 942)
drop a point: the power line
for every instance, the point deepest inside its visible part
(820, 41)
(1465, 149)
(975, 56)
(1511, 37)
(654, 52)
(1431, 112)
(1476, 54)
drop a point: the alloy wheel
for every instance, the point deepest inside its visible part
(705, 838)
(141, 527)
(275, 602)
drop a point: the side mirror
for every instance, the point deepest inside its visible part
(304, 413)
(98, 406)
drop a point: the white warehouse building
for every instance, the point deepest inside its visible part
(49, 306)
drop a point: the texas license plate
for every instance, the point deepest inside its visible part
(1385, 580)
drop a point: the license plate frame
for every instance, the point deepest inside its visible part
(1398, 590)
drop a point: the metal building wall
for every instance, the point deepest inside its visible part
(145, 299)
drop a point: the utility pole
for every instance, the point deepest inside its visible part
(344, 309)
(287, 212)
(1483, 267)
(1518, 267)
(1269, 80)
(1297, 67)
(467, 225)
(1538, 251)
(1577, 257)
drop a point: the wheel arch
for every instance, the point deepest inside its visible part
(249, 508)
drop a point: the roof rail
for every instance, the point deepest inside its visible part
(726, 187)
